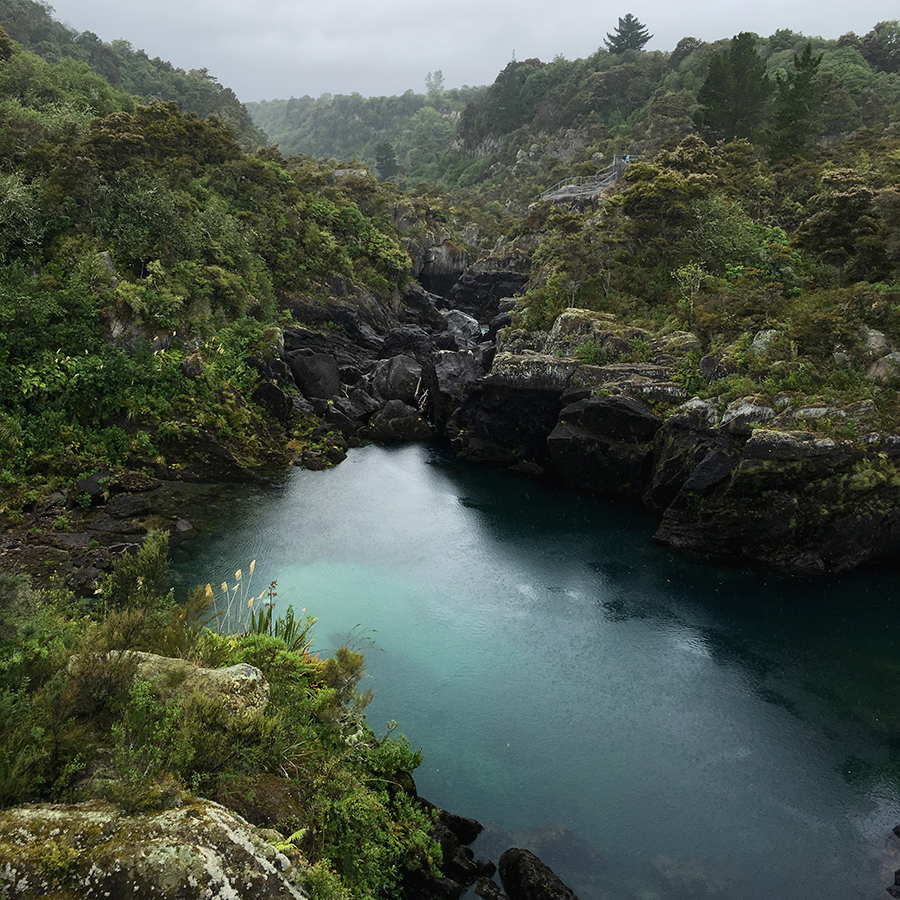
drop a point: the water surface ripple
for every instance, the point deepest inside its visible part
(652, 727)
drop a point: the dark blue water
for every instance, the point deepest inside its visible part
(656, 728)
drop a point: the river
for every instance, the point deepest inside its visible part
(651, 726)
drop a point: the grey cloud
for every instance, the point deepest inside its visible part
(275, 48)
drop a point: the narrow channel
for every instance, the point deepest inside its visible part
(651, 726)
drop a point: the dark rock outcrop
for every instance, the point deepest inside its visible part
(127, 506)
(447, 380)
(480, 293)
(525, 877)
(507, 419)
(604, 445)
(398, 378)
(272, 398)
(397, 422)
(316, 374)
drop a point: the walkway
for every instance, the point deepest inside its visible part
(588, 187)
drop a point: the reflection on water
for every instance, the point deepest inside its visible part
(653, 727)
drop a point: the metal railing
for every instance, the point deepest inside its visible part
(589, 185)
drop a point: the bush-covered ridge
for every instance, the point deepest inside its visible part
(32, 24)
(135, 237)
(86, 713)
(543, 118)
(712, 240)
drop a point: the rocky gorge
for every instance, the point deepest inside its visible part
(593, 404)
(785, 481)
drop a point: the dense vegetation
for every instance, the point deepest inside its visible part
(408, 134)
(135, 236)
(78, 721)
(550, 120)
(150, 250)
(31, 23)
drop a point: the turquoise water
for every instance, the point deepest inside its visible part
(653, 727)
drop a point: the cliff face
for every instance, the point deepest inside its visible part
(744, 481)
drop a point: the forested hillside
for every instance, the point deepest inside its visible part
(31, 23)
(552, 119)
(135, 237)
(410, 134)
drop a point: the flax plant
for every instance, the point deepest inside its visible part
(246, 614)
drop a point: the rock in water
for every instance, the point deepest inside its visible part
(525, 877)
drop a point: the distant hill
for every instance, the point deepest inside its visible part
(539, 122)
(31, 24)
(415, 130)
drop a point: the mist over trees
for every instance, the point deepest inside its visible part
(31, 24)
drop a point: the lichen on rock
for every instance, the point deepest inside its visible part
(94, 850)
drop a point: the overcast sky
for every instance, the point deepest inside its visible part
(270, 49)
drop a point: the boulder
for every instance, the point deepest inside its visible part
(743, 414)
(488, 890)
(201, 851)
(447, 380)
(419, 307)
(410, 340)
(316, 374)
(574, 327)
(274, 400)
(525, 877)
(358, 406)
(127, 506)
(604, 445)
(518, 340)
(685, 440)
(398, 378)
(398, 422)
(501, 320)
(886, 369)
(479, 293)
(464, 328)
(240, 688)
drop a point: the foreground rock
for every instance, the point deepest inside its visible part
(94, 850)
(240, 688)
(525, 877)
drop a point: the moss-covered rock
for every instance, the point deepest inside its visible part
(94, 850)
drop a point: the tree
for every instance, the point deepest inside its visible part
(386, 160)
(841, 218)
(630, 34)
(881, 46)
(800, 94)
(6, 46)
(434, 82)
(733, 97)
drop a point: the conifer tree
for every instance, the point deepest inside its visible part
(733, 97)
(630, 34)
(800, 93)
(386, 160)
